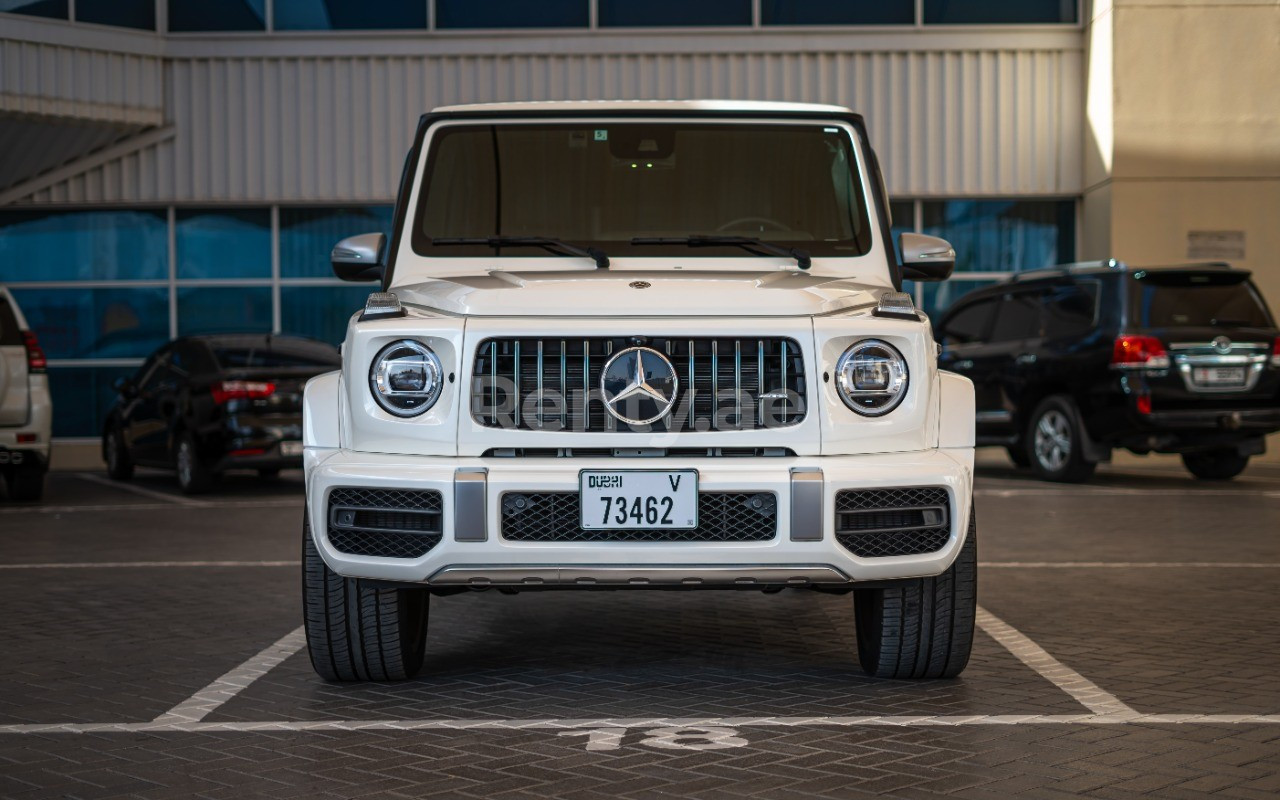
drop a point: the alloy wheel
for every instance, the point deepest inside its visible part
(1053, 440)
(185, 465)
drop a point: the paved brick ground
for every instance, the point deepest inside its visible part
(127, 643)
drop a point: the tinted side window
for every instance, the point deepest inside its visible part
(155, 370)
(968, 324)
(192, 358)
(1069, 310)
(1018, 317)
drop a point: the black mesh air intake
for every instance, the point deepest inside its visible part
(874, 523)
(388, 523)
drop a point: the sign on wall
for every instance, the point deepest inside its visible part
(1224, 245)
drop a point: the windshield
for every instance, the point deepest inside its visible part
(604, 184)
(1196, 299)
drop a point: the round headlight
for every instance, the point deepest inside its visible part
(871, 377)
(406, 378)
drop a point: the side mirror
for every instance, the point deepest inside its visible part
(926, 258)
(359, 258)
(124, 387)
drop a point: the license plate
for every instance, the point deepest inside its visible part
(291, 448)
(1218, 376)
(630, 499)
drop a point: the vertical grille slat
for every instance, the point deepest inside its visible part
(768, 390)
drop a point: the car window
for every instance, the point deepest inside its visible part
(1069, 310)
(1196, 299)
(192, 358)
(153, 370)
(1018, 317)
(968, 324)
(9, 333)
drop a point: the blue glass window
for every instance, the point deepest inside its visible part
(82, 396)
(1004, 235)
(217, 15)
(837, 12)
(307, 236)
(124, 13)
(512, 14)
(97, 323)
(324, 15)
(54, 9)
(997, 12)
(320, 312)
(222, 243)
(224, 310)
(671, 13)
(83, 245)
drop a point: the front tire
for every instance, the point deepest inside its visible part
(1215, 465)
(1055, 443)
(359, 632)
(922, 628)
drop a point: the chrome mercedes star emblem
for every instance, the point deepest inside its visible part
(1222, 344)
(639, 385)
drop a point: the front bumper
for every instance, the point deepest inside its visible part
(495, 561)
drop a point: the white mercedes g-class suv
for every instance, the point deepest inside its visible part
(639, 345)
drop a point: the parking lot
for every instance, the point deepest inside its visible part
(1129, 645)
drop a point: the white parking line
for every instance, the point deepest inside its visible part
(99, 507)
(140, 490)
(1116, 491)
(943, 721)
(1126, 565)
(1086, 692)
(136, 564)
(208, 699)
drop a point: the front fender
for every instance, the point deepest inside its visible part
(322, 411)
(955, 410)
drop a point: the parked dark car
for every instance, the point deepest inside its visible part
(202, 405)
(1071, 362)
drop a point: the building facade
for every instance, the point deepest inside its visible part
(176, 167)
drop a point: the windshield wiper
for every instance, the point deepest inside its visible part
(554, 246)
(749, 243)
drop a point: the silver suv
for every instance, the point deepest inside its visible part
(26, 410)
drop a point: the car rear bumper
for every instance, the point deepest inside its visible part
(470, 549)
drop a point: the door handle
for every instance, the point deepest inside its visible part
(1026, 358)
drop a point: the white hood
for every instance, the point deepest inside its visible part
(640, 294)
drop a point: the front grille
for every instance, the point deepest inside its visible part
(722, 517)
(875, 523)
(388, 523)
(554, 384)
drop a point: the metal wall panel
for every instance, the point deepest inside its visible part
(335, 129)
(57, 80)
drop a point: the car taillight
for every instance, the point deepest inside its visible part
(1275, 354)
(241, 390)
(1139, 352)
(36, 362)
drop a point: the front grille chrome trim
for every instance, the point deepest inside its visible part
(725, 388)
(639, 575)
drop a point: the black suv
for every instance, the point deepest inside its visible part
(1070, 362)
